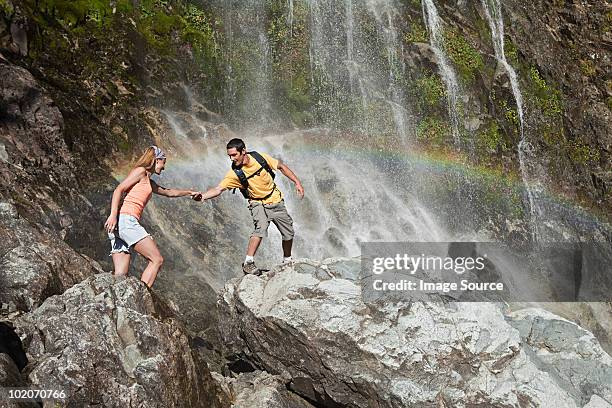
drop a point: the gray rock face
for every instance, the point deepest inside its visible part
(262, 390)
(309, 323)
(39, 172)
(9, 373)
(115, 344)
(35, 263)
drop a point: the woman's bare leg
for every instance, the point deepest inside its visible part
(121, 263)
(147, 248)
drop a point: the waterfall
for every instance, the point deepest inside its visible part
(493, 12)
(350, 22)
(434, 26)
(290, 16)
(362, 76)
(250, 85)
(396, 101)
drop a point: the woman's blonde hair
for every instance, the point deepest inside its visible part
(147, 160)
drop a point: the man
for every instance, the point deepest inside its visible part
(253, 173)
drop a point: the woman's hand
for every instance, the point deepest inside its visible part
(111, 223)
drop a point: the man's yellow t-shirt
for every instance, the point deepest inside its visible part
(260, 185)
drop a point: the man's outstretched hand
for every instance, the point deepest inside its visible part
(300, 190)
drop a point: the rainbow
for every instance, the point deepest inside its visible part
(440, 161)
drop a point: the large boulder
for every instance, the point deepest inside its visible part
(259, 389)
(114, 343)
(35, 263)
(309, 322)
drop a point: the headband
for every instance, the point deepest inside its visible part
(158, 153)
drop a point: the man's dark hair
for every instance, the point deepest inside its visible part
(237, 144)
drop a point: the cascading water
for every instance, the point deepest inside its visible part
(434, 26)
(350, 22)
(290, 16)
(396, 63)
(363, 76)
(493, 12)
(357, 190)
(250, 84)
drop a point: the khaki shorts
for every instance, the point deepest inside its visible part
(262, 214)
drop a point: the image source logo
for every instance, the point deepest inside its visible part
(485, 271)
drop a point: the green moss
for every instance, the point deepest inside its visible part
(581, 153)
(491, 139)
(465, 56)
(416, 33)
(511, 51)
(606, 27)
(430, 90)
(587, 67)
(289, 47)
(71, 13)
(510, 113)
(484, 31)
(6, 7)
(433, 131)
(547, 98)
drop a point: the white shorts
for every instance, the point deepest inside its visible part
(127, 234)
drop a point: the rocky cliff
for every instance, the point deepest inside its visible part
(86, 85)
(309, 323)
(302, 336)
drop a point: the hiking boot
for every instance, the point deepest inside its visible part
(249, 268)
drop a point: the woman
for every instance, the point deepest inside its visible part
(122, 225)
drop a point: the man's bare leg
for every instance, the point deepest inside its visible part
(287, 248)
(253, 245)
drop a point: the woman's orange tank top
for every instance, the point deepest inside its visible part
(136, 199)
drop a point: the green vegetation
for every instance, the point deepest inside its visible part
(157, 21)
(581, 153)
(430, 90)
(547, 98)
(587, 67)
(491, 139)
(511, 51)
(6, 7)
(465, 56)
(416, 33)
(606, 27)
(290, 61)
(433, 131)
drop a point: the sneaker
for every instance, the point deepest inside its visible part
(249, 268)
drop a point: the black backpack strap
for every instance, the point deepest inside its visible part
(244, 180)
(263, 163)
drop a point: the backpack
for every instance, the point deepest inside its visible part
(244, 180)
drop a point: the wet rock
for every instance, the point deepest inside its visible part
(339, 350)
(114, 343)
(263, 390)
(20, 38)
